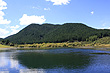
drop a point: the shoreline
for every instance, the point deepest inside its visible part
(103, 48)
(34, 48)
(6, 49)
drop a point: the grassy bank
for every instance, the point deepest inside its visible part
(86, 45)
(99, 44)
(4, 46)
(49, 45)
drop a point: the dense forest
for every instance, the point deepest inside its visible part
(68, 32)
(0, 39)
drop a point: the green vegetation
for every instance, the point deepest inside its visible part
(92, 38)
(47, 45)
(6, 42)
(55, 36)
(1, 39)
(49, 33)
(4, 46)
(104, 40)
(99, 43)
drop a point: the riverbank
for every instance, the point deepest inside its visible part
(5, 47)
(36, 46)
(83, 45)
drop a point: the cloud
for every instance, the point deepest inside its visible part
(105, 28)
(32, 71)
(46, 8)
(14, 64)
(26, 20)
(2, 7)
(3, 33)
(2, 13)
(3, 60)
(35, 7)
(92, 12)
(108, 27)
(4, 21)
(14, 29)
(60, 2)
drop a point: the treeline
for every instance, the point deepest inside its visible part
(49, 33)
(6, 42)
(0, 39)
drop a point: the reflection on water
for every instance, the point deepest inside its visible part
(54, 61)
(51, 60)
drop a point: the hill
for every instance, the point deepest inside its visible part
(35, 33)
(104, 40)
(1, 39)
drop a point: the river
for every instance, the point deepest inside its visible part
(62, 60)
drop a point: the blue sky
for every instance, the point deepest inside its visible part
(17, 14)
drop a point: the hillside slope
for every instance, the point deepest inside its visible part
(0, 39)
(35, 33)
(104, 40)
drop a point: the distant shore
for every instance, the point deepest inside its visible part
(105, 47)
(96, 48)
(28, 48)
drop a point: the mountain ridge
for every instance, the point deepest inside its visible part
(35, 33)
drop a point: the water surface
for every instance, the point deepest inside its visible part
(62, 60)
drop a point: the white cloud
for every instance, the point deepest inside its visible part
(60, 2)
(32, 71)
(108, 27)
(92, 12)
(14, 63)
(2, 3)
(2, 7)
(3, 60)
(35, 7)
(2, 13)
(105, 28)
(46, 8)
(26, 20)
(14, 29)
(3, 33)
(4, 21)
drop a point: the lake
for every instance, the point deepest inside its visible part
(62, 60)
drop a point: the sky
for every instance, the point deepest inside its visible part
(17, 14)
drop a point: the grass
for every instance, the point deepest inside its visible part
(85, 44)
(53, 45)
(104, 40)
(100, 43)
(4, 46)
(47, 45)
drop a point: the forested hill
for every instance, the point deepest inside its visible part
(35, 33)
(0, 39)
